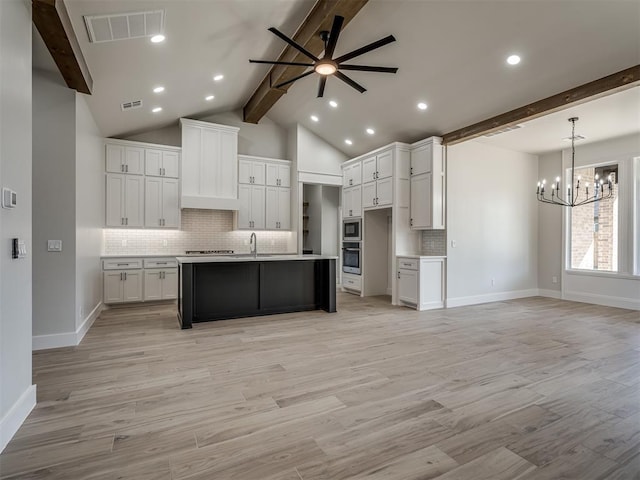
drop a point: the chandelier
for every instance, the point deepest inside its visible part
(571, 196)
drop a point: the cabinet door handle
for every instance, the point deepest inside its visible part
(350, 213)
(377, 175)
(125, 276)
(411, 222)
(163, 222)
(411, 170)
(398, 274)
(160, 222)
(120, 276)
(122, 168)
(121, 220)
(126, 170)
(374, 175)
(351, 181)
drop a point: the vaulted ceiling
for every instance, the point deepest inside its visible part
(450, 54)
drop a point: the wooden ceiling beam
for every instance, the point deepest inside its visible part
(589, 91)
(320, 18)
(52, 21)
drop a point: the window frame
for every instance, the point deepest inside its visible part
(628, 220)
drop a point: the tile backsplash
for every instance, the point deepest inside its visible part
(200, 230)
(434, 242)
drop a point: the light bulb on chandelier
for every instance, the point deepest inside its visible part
(574, 195)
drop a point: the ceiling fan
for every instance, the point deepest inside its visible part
(327, 65)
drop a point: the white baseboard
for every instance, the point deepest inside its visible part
(543, 292)
(16, 416)
(68, 339)
(606, 300)
(86, 325)
(490, 297)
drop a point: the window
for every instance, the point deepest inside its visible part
(595, 226)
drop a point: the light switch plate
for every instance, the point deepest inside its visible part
(54, 245)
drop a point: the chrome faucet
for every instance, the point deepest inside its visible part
(253, 244)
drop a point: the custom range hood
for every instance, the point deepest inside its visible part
(209, 166)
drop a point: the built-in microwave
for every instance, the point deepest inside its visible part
(352, 230)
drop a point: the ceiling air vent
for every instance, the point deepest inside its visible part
(132, 105)
(504, 130)
(123, 26)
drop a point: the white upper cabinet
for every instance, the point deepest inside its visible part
(352, 201)
(124, 159)
(369, 168)
(161, 163)
(264, 208)
(125, 200)
(209, 165)
(161, 203)
(385, 165)
(427, 185)
(352, 175)
(278, 175)
(251, 172)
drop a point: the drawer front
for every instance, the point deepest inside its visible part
(122, 264)
(160, 262)
(353, 282)
(408, 263)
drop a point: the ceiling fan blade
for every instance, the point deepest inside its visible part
(269, 62)
(350, 82)
(368, 68)
(321, 84)
(295, 45)
(333, 36)
(291, 80)
(367, 48)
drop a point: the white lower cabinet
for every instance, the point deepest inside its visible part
(161, 284)
(421, 282)
(122, 286)
(125, 279)
(351, 282)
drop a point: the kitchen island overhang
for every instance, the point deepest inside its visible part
(226, 287)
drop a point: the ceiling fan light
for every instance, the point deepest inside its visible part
(326, 67)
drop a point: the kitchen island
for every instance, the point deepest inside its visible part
(224, 287)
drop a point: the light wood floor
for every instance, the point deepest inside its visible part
(525, 389)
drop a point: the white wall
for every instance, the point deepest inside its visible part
(17, 394)
(90, 207)
(54, 212)
(316, 156)
(265, 139)
(621, 290)
(549, 231)
(492, 215)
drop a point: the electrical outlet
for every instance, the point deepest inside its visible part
(554, 279)
(493, 282)
(453, 244)
(165, 243)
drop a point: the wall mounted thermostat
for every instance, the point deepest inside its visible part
(9, 198)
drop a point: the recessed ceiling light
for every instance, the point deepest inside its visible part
(157, 38)
(208, 98)
(218, 77)
(370, 131)
(157, 109)
(158, 90)
(513, 60)
(333, 103)
(422, 106)
(348, 142)
(314, 118)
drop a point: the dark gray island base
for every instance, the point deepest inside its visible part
(226, 287)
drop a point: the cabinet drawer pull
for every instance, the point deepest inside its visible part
(123, 264)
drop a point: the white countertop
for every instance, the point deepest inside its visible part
(250, 258)
(144, 255)
(421, 256)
